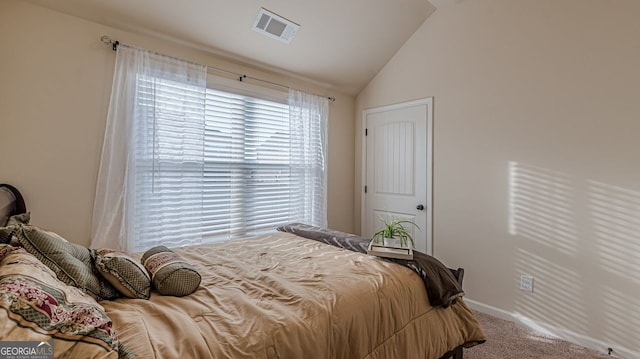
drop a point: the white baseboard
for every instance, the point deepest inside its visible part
(579, 339)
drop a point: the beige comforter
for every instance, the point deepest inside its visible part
(283, 296)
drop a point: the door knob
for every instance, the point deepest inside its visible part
(420, 207)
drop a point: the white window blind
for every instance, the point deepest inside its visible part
(243, 171)
(248, 177)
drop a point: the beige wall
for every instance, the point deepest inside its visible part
(537, 155)
(55, 83)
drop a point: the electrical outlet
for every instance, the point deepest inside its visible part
(526, 283)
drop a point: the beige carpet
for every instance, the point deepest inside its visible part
(507, 340)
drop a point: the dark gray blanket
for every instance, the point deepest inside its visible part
(442, 287)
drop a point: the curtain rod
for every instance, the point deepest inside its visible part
(240, 77)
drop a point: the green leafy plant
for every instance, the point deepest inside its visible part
(395, 229)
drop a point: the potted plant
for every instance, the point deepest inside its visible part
(395, 229)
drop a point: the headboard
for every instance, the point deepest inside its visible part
(11, 203)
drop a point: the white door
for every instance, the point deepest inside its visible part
(397, 169)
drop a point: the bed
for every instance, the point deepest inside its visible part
(280, 295)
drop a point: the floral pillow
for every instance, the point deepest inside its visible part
(39, 307)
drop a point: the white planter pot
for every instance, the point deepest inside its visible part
(392, 242)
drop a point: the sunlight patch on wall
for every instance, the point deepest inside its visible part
(558, 297)
(580, 241)
(622, 315)
(615, 215)
(540, 202)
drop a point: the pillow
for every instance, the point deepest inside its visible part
(71, 262)
(7, 205)
(17, 219)
(12, 225)
(170, 275)
(126, 274)
(39, 307)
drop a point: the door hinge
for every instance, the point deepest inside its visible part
(366, 132)
(365, 189)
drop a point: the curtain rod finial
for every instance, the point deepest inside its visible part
(107, 40)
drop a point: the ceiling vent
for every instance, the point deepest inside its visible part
(275, 26)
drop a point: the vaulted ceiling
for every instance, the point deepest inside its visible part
(341, 43)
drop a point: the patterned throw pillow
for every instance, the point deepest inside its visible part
(71, 262)
(12, 225)
(123, 272)
(18, 219)
(170, 275)
(39, 307)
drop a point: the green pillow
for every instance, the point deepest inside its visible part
(71, 262)
(12, 225)
(123, 272)
(170, 275)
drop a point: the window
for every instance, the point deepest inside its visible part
(248, 177)
(244, 163)
(183, 163)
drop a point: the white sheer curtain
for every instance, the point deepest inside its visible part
(150, 181)
(308, 116)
